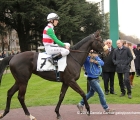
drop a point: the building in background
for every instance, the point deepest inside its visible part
(9, 41)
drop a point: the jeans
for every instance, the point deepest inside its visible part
(95, 87)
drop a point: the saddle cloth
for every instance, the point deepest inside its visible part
(44, 65)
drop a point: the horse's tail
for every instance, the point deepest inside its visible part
(3, 65)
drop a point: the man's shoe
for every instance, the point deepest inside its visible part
(106, 93)
(129, 96)
(113, 93)
(122, 94)
(80, 107)
(110, 111)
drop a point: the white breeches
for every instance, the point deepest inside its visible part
(54, 49)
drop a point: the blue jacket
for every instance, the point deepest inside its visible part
(93, 70)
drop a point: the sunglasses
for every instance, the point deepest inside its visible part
(108, 43)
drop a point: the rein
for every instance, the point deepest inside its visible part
(75, 60)
(78, 51)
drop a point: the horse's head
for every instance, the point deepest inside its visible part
(98, 44)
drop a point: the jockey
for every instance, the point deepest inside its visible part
(49, 38)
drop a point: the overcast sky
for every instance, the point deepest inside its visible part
(129, 15)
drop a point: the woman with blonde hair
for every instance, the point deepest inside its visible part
(132, 69)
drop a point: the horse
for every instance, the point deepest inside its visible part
(24, 64)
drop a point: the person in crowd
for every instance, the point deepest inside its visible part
(137, 60)
(12, 52)
(93, 69)
(49, 38)
(4, 54)
(108, 72)
(132, 69)
(122, 58)
(18, 51)
(124, 43)
(1, 55)
(134, 47)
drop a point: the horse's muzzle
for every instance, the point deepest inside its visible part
(105, 47)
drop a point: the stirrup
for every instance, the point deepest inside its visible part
(55, 62)
(57, 76)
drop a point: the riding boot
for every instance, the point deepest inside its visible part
(57, 56)
(54, 58)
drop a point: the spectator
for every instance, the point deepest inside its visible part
(18, 52)
(122, 58)
(12, 52)
(4, 54)
(137, 60)
(9, 53)
(108, 69)
(1, 55)
(134, 47)
(93, 69)
(124, 43)
(132, 69)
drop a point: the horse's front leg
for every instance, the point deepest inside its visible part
(77, 88)
(61, 97)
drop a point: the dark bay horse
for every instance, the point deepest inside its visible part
(24, 64)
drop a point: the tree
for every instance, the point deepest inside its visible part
(129, 38)
(76, 15)
(21, 16)
(105, 33)
(3, 34)
(28, 18)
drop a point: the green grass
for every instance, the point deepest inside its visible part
(41, 92)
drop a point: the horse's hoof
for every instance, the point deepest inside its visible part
(1, 115)
(59, 118)
(32, 117)
(88, 113)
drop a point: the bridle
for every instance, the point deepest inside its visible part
(79, 51)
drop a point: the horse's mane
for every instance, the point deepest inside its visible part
(78, 45)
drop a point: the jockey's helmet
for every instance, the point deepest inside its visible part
(52, 16)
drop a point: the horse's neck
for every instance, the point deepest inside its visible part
(85, 48)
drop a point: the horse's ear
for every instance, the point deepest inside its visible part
(97, 33)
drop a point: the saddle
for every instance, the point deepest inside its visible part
(54, 63)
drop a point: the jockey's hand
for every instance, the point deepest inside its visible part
(67, 47)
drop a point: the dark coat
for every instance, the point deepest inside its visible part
(137, 60)
(122, 59)
(108, 62)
